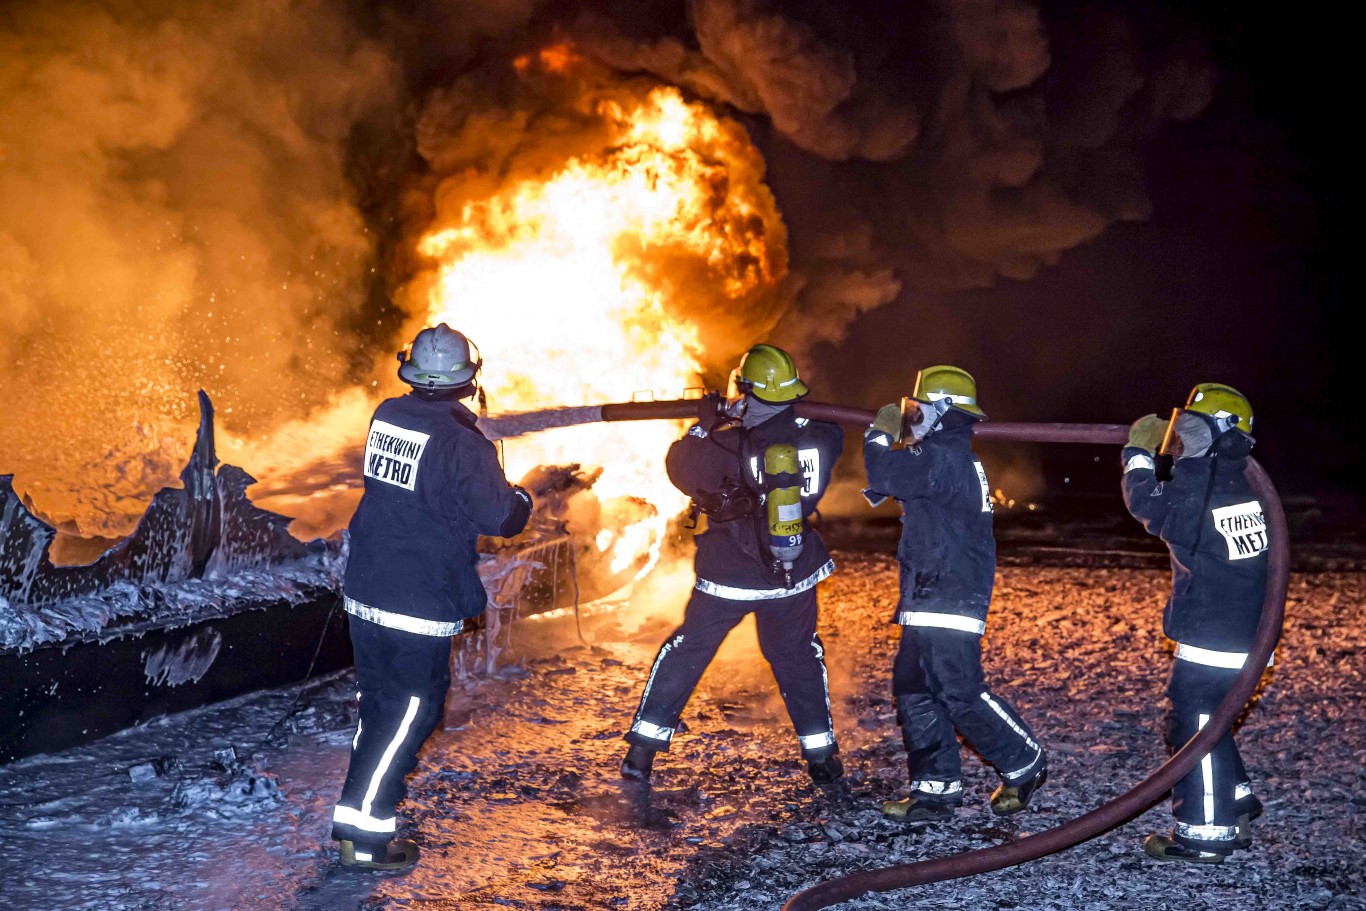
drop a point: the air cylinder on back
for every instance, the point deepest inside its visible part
(783, 487)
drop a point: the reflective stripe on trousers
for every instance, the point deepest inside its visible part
(1232, 661)
(942, 621)
(360, 817)
(653, 731)
(645, 728)
(817, 741)
(825, 739)
(1017, 774)
(1204, 802)
(786, 631)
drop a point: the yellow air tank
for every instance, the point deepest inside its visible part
(783, 486)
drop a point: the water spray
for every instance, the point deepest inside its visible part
(1103, 818)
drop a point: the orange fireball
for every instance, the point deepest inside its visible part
(568, 283)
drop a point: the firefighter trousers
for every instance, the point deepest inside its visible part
(1205, 802)
(788, 640)
(939, 688)
(403, 679)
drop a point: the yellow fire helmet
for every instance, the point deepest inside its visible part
(1229, 407)
(767, 373)
(948, 387)
(1222, 408)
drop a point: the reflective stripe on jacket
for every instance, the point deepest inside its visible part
(432, 486)
(947, 551)
(733, 556)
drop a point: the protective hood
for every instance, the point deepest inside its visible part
(757, 411)
(1191, 435)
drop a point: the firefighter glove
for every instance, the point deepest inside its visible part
(711, 411)
(1147, 432)
(888, 421)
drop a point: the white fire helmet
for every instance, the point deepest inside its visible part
(439, 358)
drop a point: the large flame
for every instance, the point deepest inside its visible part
(563, 281)
(600, 240)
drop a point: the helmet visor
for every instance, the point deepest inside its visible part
(738, 385)
(1189, 434)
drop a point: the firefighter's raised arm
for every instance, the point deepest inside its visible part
(484, 494)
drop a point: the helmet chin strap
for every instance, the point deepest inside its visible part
(455, 393)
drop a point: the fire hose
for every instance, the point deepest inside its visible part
(1132, 802)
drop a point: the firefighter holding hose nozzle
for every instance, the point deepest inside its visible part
(757, 472)
(1216, 530)
(433, 484)
(947, 556)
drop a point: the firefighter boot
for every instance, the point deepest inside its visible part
(919, 808)
(1010, 799)
(638, 763)
(399, 854)
(1166, 847)
(825, 771)
(1249, 808)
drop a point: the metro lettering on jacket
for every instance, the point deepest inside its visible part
(392, 454)
(1243, 527)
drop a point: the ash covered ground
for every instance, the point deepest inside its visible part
(518, 804)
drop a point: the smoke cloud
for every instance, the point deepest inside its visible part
(175, 212)
(979, 142)
(748, 54)
(224, 194)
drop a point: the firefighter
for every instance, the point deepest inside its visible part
(433, 484)
(746, 462)
(947, 557)
(1216, 531)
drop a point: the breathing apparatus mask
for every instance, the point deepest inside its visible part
(1190, 434)
(920, 419)
(737, 396)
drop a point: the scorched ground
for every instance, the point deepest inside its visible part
(518, 803)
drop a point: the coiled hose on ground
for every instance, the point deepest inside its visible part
(1132, 802)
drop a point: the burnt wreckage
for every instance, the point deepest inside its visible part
(211, 597)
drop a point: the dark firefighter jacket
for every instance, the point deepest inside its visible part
(947, 550)
(1215, 529)
(432, 486)
(733, 560)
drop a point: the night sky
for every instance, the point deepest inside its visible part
(1237, 277)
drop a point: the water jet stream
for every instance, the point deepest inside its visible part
(1108, 815)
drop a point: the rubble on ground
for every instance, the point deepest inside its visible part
(517, 803)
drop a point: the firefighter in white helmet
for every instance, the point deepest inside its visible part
(433, 484)
(1215, 528)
